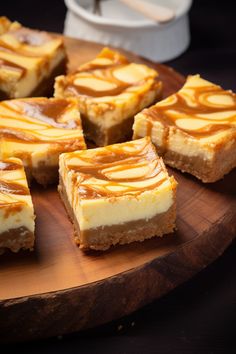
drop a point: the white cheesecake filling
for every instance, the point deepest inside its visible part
(16, 210)
(136, 84)
(35, 72)
(193, 122)
(113, 109)
(27, 57)
(21, 218)
(95, 213)
(138, 188)
(39, 141)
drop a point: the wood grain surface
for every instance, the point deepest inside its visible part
(59, 289)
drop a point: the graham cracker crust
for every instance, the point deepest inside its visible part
(4, 96)
(16, 239)
(45, 175)
(103, 238)
(208, 171)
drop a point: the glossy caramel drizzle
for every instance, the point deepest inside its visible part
(116, 159)
(26, 38)
(7, 165)
(11, 187)
(101, 75)
(47, 112)
(163, 113)
(21, 50)
(30, 37)
(116, 60)
(11, 66)
(100, 71)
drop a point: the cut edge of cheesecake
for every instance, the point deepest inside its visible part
(42, 72)
(38, 148)
(15, 234)
(210, 160)
(104, 236)
(108, 113)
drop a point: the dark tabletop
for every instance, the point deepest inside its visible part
(200, 315)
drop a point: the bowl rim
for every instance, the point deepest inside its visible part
(73, 6)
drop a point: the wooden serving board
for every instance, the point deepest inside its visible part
(58, 289)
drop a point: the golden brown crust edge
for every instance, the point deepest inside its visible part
(16, 239)
(103, 238)
(208, 171)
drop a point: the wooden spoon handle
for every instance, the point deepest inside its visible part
(155, 12)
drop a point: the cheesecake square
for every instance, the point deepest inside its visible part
(29, 61)
(110, 91)
(194, 130)
(38, 130)
(117, 194)
(16, 208)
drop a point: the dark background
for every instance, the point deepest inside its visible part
(200, 315)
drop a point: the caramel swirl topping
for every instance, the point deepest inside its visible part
(13, 188)
(116, 170)
(8, 65)
(11, 177)
(200, 109)
(31, 37)
(40, 120)
(109, 74)
(105, 86)
(105, 59)
(49, 112)
(19, 43)
(8, 165)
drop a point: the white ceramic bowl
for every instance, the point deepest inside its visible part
(122, 27)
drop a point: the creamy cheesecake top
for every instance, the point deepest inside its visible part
(16, 208)
(109, 74)
(13, 184)
(22, 48)
(200, 109)
(40, 120)
(126, 169)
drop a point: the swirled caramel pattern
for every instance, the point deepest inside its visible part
(12, 182)
(109, 74)
(22, 47)
(117, 170)
(200, 109)
(9, 165)
(40, 120)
